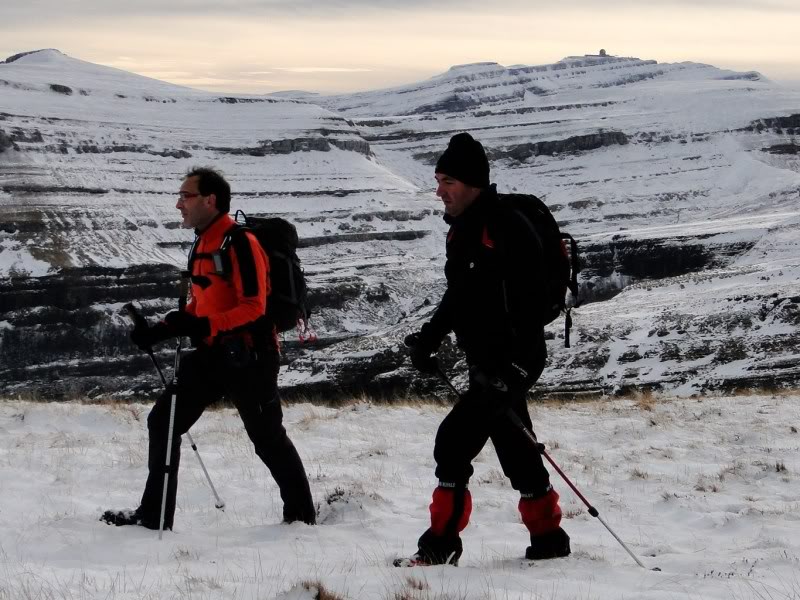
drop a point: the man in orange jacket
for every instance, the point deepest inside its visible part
(236, 356)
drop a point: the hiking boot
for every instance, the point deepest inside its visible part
(309, 518)
(312, 520)
(130, 517)
(418, 559)
(553, 544)
(434, 549)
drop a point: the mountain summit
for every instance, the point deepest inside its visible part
(45, 55)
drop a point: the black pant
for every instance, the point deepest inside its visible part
(203, 378)
(478, 417)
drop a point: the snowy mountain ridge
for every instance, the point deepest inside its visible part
(680, 182)
(481, 85)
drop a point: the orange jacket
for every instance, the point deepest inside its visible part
(234, 300)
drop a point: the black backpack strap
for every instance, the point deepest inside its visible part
(575, 267)
(567, 326)
(193, 254)
(227, 238)
(524, 218)
(507, 202)
(199, 280)
(236, 238)
(220, 258)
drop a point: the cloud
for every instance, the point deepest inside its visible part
(331, 9)
(323, 70)
(16, 14)
(344, 45)
(51, 10)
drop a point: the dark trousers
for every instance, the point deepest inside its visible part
(478, 417)
(204, 377)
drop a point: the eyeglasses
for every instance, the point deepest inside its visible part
(188, 195)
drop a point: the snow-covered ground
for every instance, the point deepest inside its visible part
(704, 488)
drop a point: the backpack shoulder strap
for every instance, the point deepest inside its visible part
(575, 267)
(220, 256)
(234, 230)
(529, 226)
(237, 239)
(511, 211)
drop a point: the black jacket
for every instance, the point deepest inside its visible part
(492, 291)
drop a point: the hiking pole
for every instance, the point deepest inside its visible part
(170, 429)
(220, 503)
(592, 510)
(138, 319)
(449, 383)
(540, 447)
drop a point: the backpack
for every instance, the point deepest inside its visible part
(287, 303)
(559, 257)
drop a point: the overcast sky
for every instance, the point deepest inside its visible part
(260, 46)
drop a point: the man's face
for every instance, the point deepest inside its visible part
(456, 195)
(197, 210)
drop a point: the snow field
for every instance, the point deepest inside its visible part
(704, 488)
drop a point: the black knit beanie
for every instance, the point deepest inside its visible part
(465, 160)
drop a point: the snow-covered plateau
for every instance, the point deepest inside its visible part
(704, 489)
(680, 181)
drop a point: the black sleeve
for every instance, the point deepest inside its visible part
(433, 332)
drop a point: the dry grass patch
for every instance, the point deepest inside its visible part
(553, 398)
(703, 485)
(644, 400)
(416, 584)
(771, 391)
(311, 416)
(493, 475)
(319, 591)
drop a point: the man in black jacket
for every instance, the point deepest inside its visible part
(490, 305)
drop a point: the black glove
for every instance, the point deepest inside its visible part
(145, 337)
(184, 324)
(420, 355)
